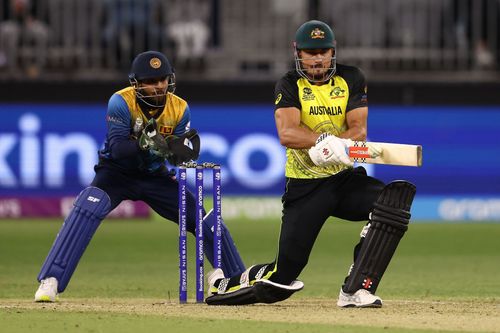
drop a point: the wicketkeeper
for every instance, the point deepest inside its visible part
(147, 126)
(320, 107)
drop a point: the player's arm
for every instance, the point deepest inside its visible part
(290, 133)
(357, 106)
(184, 124)
(287, 116)
(118, 121)
(356, 120)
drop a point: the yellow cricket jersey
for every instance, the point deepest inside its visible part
(322, 109)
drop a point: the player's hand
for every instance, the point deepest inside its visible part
(153, 141)
(183, 148)
(330, 150)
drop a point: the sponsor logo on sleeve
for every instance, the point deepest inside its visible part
(115, 120)
(278, 99)
(364, 97)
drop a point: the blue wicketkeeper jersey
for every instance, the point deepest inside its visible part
(121, 148)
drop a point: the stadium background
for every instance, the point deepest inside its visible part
(432, 68)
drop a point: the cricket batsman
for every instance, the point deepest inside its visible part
(147, 126)
(321, 106)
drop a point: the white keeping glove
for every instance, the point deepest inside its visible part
(330, 150)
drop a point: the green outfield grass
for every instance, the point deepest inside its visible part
(138, 260)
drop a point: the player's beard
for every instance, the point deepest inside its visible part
(152, 100)
(314, 74)
(317, 72)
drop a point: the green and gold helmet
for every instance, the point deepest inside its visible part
(314, 35)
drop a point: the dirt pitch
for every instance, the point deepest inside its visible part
(468, 316)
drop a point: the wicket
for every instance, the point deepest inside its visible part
(216, 192)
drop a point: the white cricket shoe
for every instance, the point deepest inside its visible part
(360, 299)
(47, 292)
(212, 277)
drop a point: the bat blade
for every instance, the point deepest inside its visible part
(392, 153)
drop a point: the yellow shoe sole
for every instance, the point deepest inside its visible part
(46, 299)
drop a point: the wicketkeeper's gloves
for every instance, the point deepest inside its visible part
(153, 141)
(184, 148)
(176, 149)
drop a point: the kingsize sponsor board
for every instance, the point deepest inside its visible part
(50, 150)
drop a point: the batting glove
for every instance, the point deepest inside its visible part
(330, 150)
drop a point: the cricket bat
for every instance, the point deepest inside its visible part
(392, 153)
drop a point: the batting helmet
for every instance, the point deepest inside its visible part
(314, 35)
(151, 65)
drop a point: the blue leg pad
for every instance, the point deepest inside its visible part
(89, 209)
(231, 261)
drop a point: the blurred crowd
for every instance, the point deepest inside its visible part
(95, 38)
(468, 27)
(24, 37)
(37, 35)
